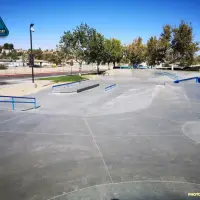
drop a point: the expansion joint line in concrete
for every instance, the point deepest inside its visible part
(100, 154)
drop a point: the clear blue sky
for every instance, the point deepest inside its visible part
(122, 19)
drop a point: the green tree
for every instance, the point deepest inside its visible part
(152, 51)
(75, 43)
(108, 47)
(197, 60)
(38, 54)
(8, 46)
(175, 45)
(95, 52)
(12, 55)
(117, 51)
(11, 46)
(136, 51)
(183, 44)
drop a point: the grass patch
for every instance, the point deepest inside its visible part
(58, 79)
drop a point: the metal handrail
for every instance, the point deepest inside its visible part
(188, 79)
(110, 87)
(67, 84)
(18, 97)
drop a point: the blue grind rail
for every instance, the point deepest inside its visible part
(13, 101)
(188, 79)
(126, 67)
(67, 84)
(110, 87)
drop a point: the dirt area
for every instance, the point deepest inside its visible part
(24, 88)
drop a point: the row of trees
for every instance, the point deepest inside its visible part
(85, 44)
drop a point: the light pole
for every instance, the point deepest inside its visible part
(31, 55)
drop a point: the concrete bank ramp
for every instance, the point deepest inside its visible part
(192, 130)
(131, 100)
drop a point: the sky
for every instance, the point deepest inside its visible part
(121, 19)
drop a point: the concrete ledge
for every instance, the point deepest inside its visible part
(87, 88)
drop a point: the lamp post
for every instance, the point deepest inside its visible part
(31, 55)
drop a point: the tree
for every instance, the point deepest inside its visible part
(197, 60)
(108, 47)
(113, 51)
(117, 51)
(11, 46)
(75, 43)
(175, 45)
(152, 51)
(96, 51)
(183, 45)
(8, 46)
(12, 55)
(136, 51)
(38, 54)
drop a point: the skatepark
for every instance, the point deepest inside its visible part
(130, 134)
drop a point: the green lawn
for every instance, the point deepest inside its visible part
(72, 78)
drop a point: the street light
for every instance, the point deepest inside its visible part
(31, 55)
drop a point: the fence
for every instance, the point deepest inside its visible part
(13, 101)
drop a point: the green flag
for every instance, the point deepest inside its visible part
(3, 29)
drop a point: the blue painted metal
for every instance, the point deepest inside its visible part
(35, 106)
(126, 67)
(18, 97)
(110, 87)
(187, 79)
(13, 103)
(12, 100)
(67, 84)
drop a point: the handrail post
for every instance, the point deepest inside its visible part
(13, 103)
(35, 103)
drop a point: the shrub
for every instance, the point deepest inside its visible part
(3, 67)
(54, 66)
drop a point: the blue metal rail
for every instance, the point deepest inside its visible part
(188, 79)
(126, 67)
(13, 101)
(66, 84)
(110, 87)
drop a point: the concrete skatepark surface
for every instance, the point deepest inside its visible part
(139, 140)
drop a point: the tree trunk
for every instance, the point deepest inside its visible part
(97, 68)
(80, 68)
(114, 63)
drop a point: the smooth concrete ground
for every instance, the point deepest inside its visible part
(91, 146)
